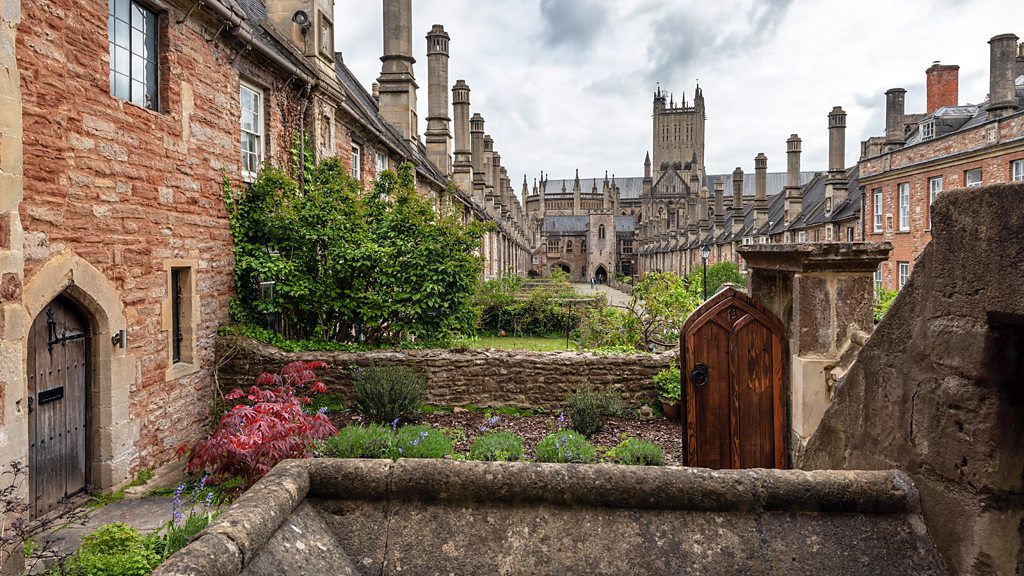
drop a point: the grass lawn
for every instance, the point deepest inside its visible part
(537, 344)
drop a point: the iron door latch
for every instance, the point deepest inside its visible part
(699, 375)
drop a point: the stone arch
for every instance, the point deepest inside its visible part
(112, 436)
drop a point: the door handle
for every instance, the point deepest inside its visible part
(699, 375)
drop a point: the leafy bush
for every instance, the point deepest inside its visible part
(331, 403)
(373, 441)
(590, 410)
(718, 275)
(267, 426)
(420, 442)
(503, 305)
(883, 300)
(604, 327)
(497, 446)
(114, 550)
(633, 452)
(389, 393)
(565, 446)
(378, 267)
(668, 382)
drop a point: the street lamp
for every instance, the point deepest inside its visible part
(705, 251)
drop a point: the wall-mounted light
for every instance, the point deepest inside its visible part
(302, 19)
(120, 338)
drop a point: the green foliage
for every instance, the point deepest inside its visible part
(102, 499)
(718, 275)
(634, 452)
(497, 446)
(420, 442)
(114, 550)
(667, 382)
(883, 300)
(504, 304)
(191, 513)
(590, 410)
(373, 441)
(565, 446)
(389, 393)
(605, 327)
(333, 402)
(376, 267)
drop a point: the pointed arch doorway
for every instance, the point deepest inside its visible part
(58, 397)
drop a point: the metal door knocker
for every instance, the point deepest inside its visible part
(699, 376)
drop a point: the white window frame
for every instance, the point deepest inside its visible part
(934, 188)
(357, 161)
(257, 134)
(801, 236)
(878, 277)
(904, 198)
(904, 273)
(968, 182)
(878, 209)
(381, 161)
(928, 130)
(1017, 170)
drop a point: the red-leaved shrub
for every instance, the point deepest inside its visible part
(267, 426)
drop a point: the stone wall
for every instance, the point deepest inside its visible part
(938, 389)
(486, 378)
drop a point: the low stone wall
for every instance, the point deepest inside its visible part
(620, 286)
(485, 378)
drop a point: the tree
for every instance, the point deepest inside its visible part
(718, 275)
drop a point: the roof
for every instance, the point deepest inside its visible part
(566, 224)
(625, 224)
(774, 181)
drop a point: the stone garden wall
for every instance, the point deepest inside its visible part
(485, 378)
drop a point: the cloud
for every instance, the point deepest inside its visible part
(572, 24)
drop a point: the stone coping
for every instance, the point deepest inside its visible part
(243, 530)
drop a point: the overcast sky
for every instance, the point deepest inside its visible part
(567, 84)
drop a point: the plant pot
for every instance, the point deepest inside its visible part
(671, 409)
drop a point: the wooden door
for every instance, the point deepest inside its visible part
(732, 361)
(58, 377)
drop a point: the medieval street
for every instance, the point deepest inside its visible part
(518, 287)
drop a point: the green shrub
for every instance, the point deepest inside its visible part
(389, 393)
(633, 452)
(667, 383)
(497, 446)
(883, 300)
(115, 550)
(565, 446)
(373, 441)
(590, 410)
(333, 402)
(420, 442)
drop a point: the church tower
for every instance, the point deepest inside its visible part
(678, 133)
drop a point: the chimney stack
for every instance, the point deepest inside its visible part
(1020, 60)
(837, 144)
(793, 197)
(719, 206)
(397, 81)
(943, 86)
(1002, 97)
(476, 131)
(463, 167)
(438, 136)
(760, 190)
(737, 191)
(895, 109)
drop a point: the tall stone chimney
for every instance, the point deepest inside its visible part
(793, 195)
(476, 131)
(490, 170)
(397, 81)
(719, 206)
(836, 185)
(943, 86)
(438, 136)
(895, 110)
(1002, 97)
(737, 191)
(1020, 60)
(463, 167)
(760, 190)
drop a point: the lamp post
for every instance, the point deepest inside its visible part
(705, 251)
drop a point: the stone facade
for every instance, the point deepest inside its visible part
(936, 391)
(485, 378)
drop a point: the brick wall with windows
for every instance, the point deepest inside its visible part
(123, 166)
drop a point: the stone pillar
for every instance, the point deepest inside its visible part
(824, 294)
(397, 80)
(895, 109)
(438, 136)
(463, 166)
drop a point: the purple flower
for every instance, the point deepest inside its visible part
(394, 423)
(322, 410)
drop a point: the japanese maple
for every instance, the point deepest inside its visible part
(267, 425)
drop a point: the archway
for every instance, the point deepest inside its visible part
(565, 268)
(601, 275)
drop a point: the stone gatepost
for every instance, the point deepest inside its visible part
(824, 294)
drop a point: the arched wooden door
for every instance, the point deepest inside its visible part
(58, 378)
(732, 361)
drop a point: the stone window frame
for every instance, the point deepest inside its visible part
(902, 278)
(969, 182)
(934, 189)
(600, 232)
(553, 246)
(325, 36)
(189, 362)
(801, 236)
(150, 77)
(878, 209)
(1017, 170)
(903, 198)
(568, 246)
(260, 153)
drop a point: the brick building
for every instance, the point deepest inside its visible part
(117, 130)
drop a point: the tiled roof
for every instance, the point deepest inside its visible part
(566, 224)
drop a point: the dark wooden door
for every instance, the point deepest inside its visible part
(732, 362)
(58, 393)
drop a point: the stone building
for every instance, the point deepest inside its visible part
(117, 131)
(951, 145)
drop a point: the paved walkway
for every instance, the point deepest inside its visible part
(615, 297)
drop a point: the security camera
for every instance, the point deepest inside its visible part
(302, 19)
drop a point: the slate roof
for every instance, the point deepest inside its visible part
(631, 188)
(774, 181)
(566, 224)
(625, 224)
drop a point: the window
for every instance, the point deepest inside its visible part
(583, 246)
(627, 246)
(568, 246)
(928, 130)
(972, 178)
(878, 278)
(1018, 170)
(132, 34)
(904, 191)
(934, 187)
(252, 129)
(381, 160)
(600, 232)
(828, 233)
(801, 236)
(179, 314)
(904, 273)
(326, 37)
(849, 233)
(552, 245)
(357, 162)
(878, 210)
(176, 328)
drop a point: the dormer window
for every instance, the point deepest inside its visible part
(928, 129)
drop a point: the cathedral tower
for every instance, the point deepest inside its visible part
(678, 133)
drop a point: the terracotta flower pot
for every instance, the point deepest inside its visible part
(671, 409)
